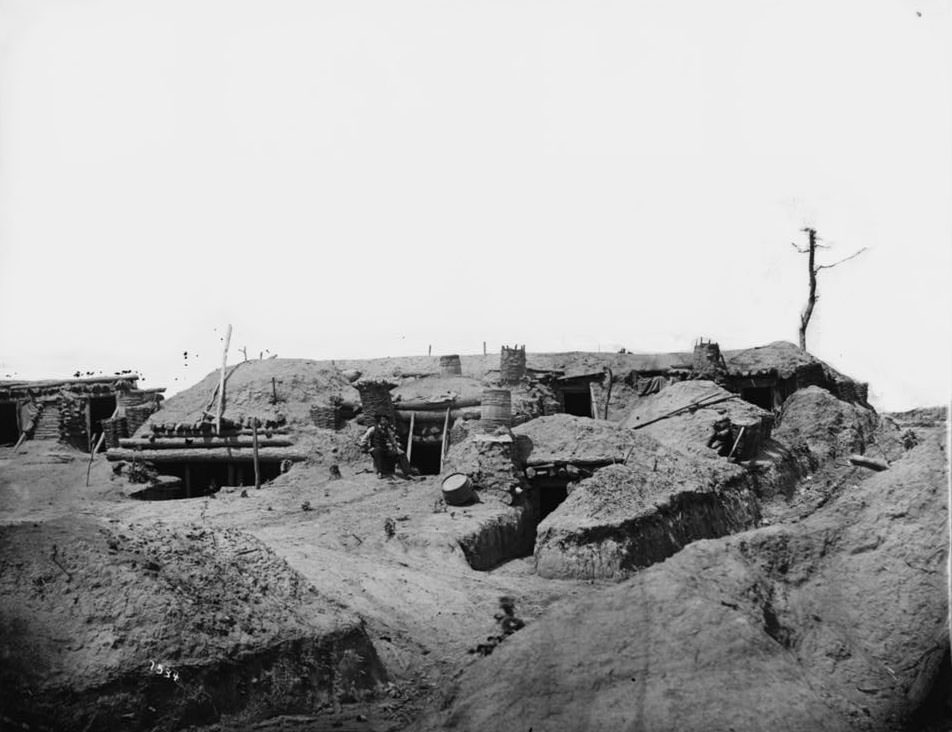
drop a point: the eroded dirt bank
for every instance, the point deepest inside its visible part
(835, 622)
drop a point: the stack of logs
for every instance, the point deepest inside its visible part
(115, 428)
(72, 421)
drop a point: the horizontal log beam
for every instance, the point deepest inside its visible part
(438, 417)
(419, 405)
(195, 443)
(213, 455)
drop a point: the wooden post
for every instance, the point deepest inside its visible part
(608, 396)
(92, 455)
(221, 382)
(254, 435)
(89, 424)
(429, 350)
(591, 396)
(484, 348)
(274, 391)
(446, 424)
(410, 436)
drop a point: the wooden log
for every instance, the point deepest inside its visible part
(221, 383)
(868, 462)
(211, 455)
(437, 417)
(424, 406)
(201, 443)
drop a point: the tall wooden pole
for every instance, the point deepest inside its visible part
(254, 437)
(221, 382)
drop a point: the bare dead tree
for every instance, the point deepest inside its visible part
(814, 269)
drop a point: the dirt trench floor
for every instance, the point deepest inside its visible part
(383, 551)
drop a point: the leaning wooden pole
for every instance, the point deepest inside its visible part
(221, 382)
(446, 424)
(410, 436)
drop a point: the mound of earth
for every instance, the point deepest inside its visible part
(564, 438)
(89, 610)
(268, 390)
(488, 461)
(837, 622)
(437, 388)
(629, 516)
(821, 427)
(689, 431)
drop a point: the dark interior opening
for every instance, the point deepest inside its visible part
(552, 492)
(204, 478)
(578, 403)
(935, 712)
(9, 432)
(100, 408)
(761, 396)
(426, 457)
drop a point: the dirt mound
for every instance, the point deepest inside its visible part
(825, 426)
(266, 389)
(690, 430)
(835, 623)
(565, 438)
(88, 611)
(626, 517)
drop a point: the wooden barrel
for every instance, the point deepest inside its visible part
(496, 409)
(457, 489)
(450, 366)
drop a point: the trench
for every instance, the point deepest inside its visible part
(296, 676)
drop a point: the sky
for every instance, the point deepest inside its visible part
(363, 178)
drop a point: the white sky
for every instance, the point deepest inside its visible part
(356, 179)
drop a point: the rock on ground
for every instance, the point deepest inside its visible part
(837, 622)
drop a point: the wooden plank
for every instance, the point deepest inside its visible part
(221, 383)
(410, 436)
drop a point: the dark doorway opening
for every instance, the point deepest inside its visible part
(552, 491)
(9, 431)
(578, 403)
(204, 478)
(100, 408)
(761, 396)
(426, 457)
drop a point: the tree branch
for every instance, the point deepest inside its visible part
(845, 259)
